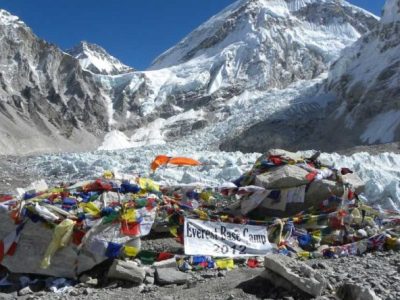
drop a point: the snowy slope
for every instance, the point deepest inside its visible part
(260, 22)
(253, 48)
(95, 59)
(367, 77)
(8, 19)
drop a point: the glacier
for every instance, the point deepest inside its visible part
(380, 172)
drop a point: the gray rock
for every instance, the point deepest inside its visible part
(282, 177)
(88, 280)
(285, 154)
(87, 291)
(168, 263)
(222, 273)
(298, 273)
(168, 276)
(355, 181)
(126, 270)
(209, 274)
(149, 271)
(67, 262)
(149, 280)
(25, 291)
(74, 292)
(277, 280)
(5, 296)
(320, 190)
(356, 292)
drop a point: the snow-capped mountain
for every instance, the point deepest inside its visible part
(367, 78)
(247, 64)
(252, 46)
(359, 103)
(47, 102)
(95, 59)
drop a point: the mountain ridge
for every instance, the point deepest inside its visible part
(262, 51)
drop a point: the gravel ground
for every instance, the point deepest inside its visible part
(379, 272)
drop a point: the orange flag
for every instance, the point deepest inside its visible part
(162, 160)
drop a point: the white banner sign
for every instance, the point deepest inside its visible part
(224, 239)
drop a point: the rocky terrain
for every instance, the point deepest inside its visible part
(371, 276)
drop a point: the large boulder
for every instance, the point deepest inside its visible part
(298, 273)
(320, 190)
(282, 177)
(68, 262)
(127, 271)
(355, 182)
(32, 245)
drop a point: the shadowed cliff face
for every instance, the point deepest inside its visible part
(44, 93)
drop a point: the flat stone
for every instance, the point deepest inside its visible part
(127, 271)
(168, 276)
(284, 154)
(296, 272)
(356, 292)
(168, 263)
(282, 177)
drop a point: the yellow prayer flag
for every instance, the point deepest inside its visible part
(131, 251)
(225, 264)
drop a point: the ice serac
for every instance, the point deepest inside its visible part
(95, 59)
(47, 102)
(366, 79)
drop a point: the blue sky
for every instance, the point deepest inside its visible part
(135, 31)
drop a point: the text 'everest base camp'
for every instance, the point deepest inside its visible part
(196, 178)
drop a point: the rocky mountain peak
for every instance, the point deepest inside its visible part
(97, 60)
